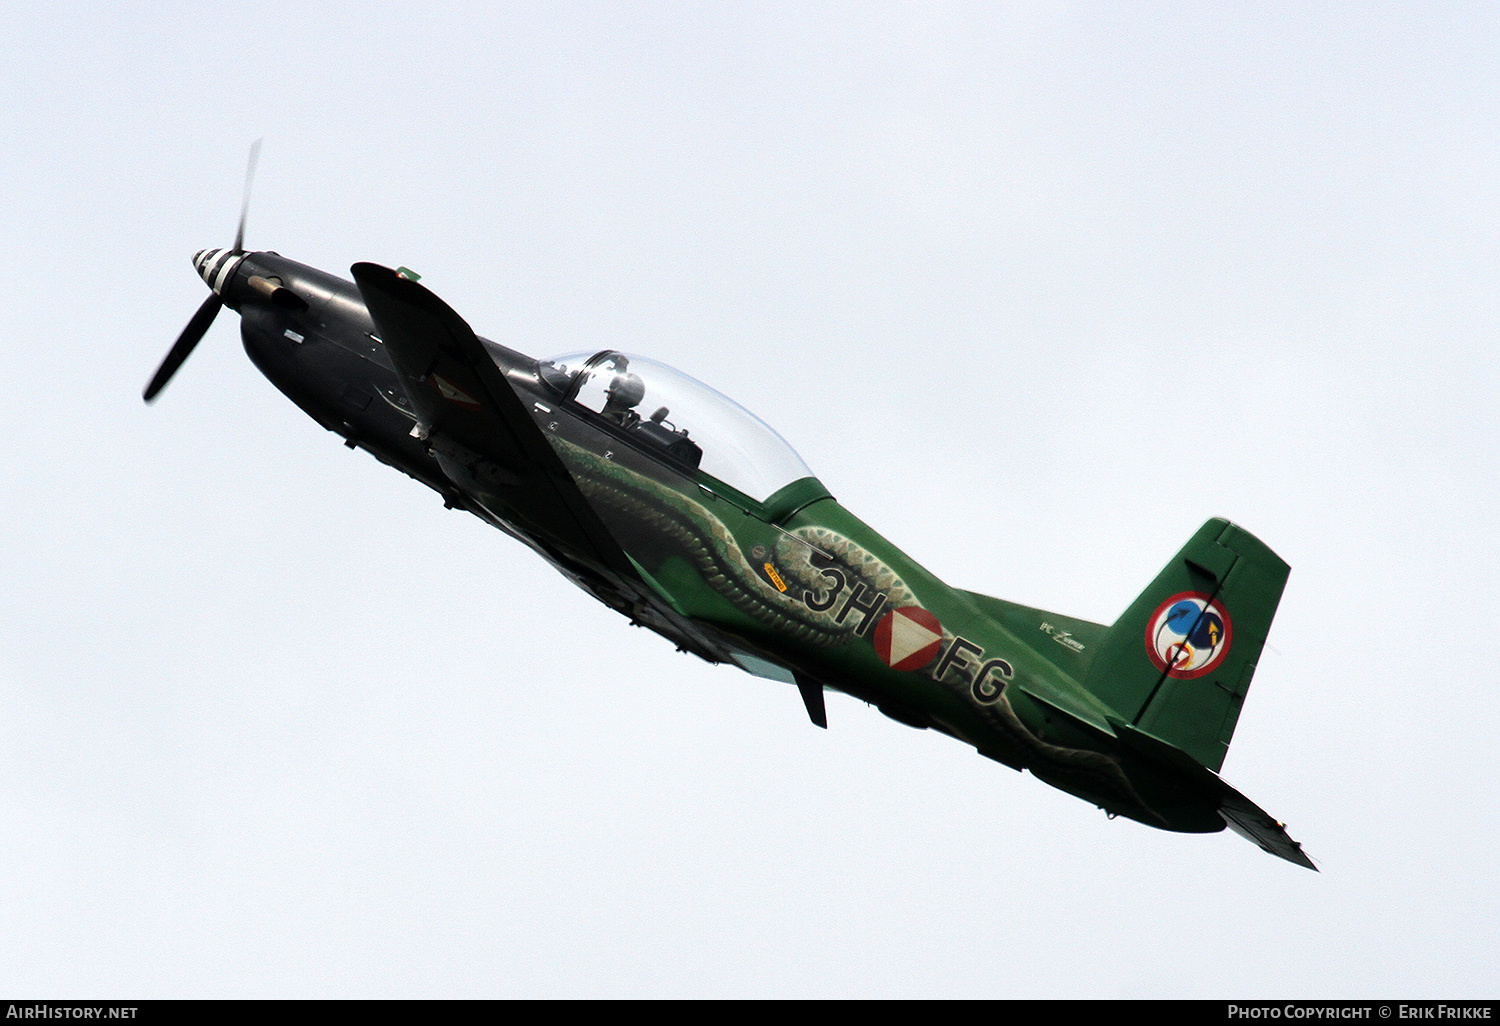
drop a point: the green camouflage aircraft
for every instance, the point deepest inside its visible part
(698, 521)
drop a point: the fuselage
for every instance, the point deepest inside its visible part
(773, 576)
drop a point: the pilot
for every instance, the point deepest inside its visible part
(622, 396)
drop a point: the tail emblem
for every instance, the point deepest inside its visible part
(1188, 635)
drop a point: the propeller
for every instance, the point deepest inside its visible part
(189, 338)
(198, 326)
(239, 234)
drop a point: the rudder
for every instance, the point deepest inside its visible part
(1178, 663)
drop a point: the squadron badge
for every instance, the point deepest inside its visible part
(1188, 635)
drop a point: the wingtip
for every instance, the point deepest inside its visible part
(378, 277)
(364, 270)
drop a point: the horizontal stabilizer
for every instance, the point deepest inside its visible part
(1254, 824)
(1239, 813)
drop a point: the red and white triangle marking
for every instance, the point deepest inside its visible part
(908, 638)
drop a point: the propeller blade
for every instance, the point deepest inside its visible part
(239, 236)
(190, 337)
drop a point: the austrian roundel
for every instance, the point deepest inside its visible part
(908, 638)
(1188, 635)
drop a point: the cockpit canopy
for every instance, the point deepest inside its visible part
(667, 411)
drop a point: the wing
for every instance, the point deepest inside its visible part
(464, 402)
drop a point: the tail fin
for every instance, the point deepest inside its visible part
(1177, 664)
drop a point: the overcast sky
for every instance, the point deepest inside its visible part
(1034, 288)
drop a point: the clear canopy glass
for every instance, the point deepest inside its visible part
(695, 424)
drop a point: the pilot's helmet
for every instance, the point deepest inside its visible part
(626, 390)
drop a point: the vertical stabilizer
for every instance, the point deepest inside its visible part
(1178, 663)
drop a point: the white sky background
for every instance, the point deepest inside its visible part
(1035, 289)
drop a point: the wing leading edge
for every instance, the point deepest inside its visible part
(471, 414)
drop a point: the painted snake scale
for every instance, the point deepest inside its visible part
(700, 536)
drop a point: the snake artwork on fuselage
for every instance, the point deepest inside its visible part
(678, 508)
